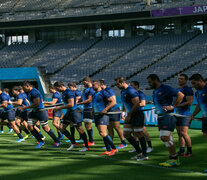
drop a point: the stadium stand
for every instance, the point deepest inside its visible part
(15, 55)
(186, 56)
(101, 54)
(47, 9)
(142, 56)
(65, 52)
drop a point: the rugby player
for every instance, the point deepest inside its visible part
(163, 97)
(134, 121)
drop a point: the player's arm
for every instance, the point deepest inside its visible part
(135, 102)
(4, 104)
(69, 105)
(179, 98)
(77, 99)
(142, 103)
(196, 111)
(27, 101)
(189, 102)
(18, 102)
(87, 101)
(54, 101)
(36, 103)
(111, 104)
(123, 113)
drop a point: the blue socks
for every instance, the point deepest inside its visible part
(110, 142)
(20, 136)
(133, 142)
(108, 148)
(67, 134)
(143, 144)
(90, 135)
(36, 135)
(52, 135)
(84, 137)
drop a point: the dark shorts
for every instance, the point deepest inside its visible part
(166, 122)
(182, 121)
(114, 117)
(57, 113)
(204, 125)
(24, 115)
(10, 115)
(74, 117)
(137, 119)
(41, 116)
(101, 120)
(87, 114)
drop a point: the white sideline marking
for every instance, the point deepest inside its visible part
(113, 159)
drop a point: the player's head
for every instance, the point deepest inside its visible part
(15, 90)
(182, 79)
(134, 84)
(27, 86)
(153, 80)
(120, 82)
(52, 88)
(197, 81)
(96, 85)
(103, 86)
(60, 86)
(21, 90)
(6, 90)
(86, 81)
(72, 86)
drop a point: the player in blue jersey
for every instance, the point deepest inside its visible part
(73, 115)
(163, 100)
(9, 113)
(199, 84)
(102, 103)
(56, 99)
(87, 95)
(21, 116)
(134, 121)
(37, 114)
(142, 99)
(183, 108)
(72, 87)
(114, 119)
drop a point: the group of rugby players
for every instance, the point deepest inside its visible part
(98, 102)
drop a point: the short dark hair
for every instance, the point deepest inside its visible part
(102, 82)
(184, 75)
(87, 79)
(136, 83)
(6, 90)
(27, 83)
(120, 79)
(51, 86)
(72, 83)
(59, 84)
(154, 77)
(16, 88)
(20, 88)
(97, 81)
(196, 77)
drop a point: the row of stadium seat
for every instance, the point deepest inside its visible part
(165, 55)
(14, 10)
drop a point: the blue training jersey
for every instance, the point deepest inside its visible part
(142, 97)
(57, 96)
(201, 96)
(100, 100)
(163, 96)
(33, 94)
(68, 94)
(24, 94)
(185, 110)
(86, 93)
(78, 94)
(127, 95)
(111, 92)
(24, 101)
(5, 97)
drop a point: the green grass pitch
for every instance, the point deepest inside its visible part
(23, 161)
